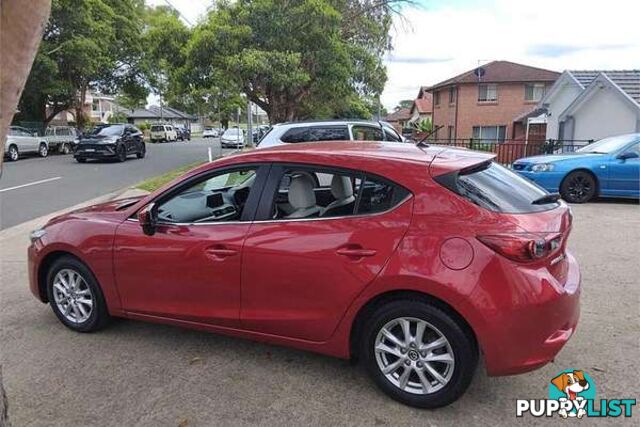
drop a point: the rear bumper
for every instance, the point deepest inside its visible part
(527, 327)
(550, 181)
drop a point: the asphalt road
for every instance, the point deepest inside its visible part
(32, 187)
(142, 374)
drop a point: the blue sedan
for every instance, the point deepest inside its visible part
(607, 168)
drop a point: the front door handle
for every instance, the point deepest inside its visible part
(220, 252)
(356, 252)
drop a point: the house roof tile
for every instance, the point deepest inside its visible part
(627, 80)
(401, 114)
(500, 72)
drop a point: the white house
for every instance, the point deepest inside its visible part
(590, 105)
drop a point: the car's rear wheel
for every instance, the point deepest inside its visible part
(578, 187)
(43, 150)
(75, 296)
(418, 354)
(122, 153)
(65, 148)
(13, 153)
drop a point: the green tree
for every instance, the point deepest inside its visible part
(405, 103)
(87, 44)
(425, 125)
(294, 58)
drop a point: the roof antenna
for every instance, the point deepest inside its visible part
(422, 142)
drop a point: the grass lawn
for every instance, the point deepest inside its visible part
(156, 182)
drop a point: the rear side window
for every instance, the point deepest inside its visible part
(496, 188)
(379, 196)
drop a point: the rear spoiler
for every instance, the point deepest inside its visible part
(452, 160)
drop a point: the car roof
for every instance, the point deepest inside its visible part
(333, 122)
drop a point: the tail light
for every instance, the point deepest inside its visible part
(523, 247)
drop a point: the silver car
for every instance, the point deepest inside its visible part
(329, 130)
(22, 141)
(62, 138)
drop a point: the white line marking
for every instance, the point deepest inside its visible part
(42, 181)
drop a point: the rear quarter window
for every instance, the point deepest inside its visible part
(496, 188)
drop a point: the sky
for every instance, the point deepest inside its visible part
(437, 39)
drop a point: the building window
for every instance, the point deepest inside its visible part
(487, 93)
(95, 106)
(534, 91)
(436, 98)
(451, 133)
(489, 134)
(452, 94)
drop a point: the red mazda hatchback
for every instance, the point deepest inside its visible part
(414, 260)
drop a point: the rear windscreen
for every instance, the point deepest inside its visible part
(157, 128)
(496, 188)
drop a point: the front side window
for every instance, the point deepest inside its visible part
(295, 135)
(366, 133)
(308, 192)
(534, 91)
(219, 198)
(391, 135)
(488, 92)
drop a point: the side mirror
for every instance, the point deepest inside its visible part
(628, 155)
(148, 218)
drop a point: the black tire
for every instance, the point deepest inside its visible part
(81, 160)
(143, 151)
(121, 152)
(43, 150)
(13, 154)
(99, 315)
(461, 342)
(64, 148)
(578, 187)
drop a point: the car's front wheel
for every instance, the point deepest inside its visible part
(578, 187)
(143, 150)
(121, 153)
(13, 153)
(418, 354)
(75, 297)
(43, 150)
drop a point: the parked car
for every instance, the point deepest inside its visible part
(413, 260)
(166, 133)
(232, 138)
(606, 168)
(336, 130)
(61, 138)
(210, 133)
(21, 141)
(117, 141)
(183, 133)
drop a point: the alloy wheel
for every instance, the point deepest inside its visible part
(72, 296)
(13, 153)
(44, 150)
(579, 188)
(414, 355)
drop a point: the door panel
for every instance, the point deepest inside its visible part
(299, 277)
(624, 177)
(177, 273)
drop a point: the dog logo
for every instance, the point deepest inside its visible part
(572, 384)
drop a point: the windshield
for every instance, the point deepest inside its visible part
(608, 145)
(108, 131)
(232, 132)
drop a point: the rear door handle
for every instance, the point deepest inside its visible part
(356, 252)
(221, 252)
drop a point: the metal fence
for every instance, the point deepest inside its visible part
(507, 151)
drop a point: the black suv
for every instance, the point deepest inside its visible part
(115, 141)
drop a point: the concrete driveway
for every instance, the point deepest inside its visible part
(143, 374)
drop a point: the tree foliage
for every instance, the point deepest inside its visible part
(87, 44)
(295, 58)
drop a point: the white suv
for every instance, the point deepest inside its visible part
(161, 133)
(337, 130)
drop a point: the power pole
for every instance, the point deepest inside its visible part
(249, 124)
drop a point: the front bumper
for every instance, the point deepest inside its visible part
(33, 260)
(98, 153)
(550, 181)
(530, 323)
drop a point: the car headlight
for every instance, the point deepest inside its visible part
(542, 167)
(37, 234)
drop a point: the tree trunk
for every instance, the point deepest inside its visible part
(80, 116)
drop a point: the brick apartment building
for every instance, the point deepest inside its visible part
(490, 102)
